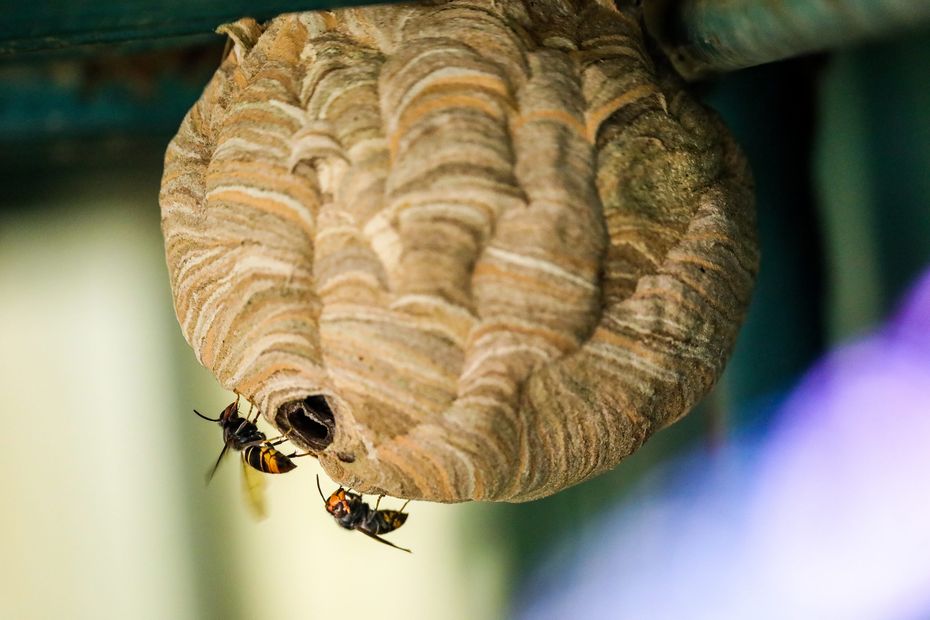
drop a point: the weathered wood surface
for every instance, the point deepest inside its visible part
(43, 25)
(702, 35)
(713, 36)
(464, 250)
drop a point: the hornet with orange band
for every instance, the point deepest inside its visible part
(352, 513)
(258, 453)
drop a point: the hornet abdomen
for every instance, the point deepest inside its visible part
(267, 459)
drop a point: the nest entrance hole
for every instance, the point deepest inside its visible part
(310, 419)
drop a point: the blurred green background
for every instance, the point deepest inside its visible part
(106, 513)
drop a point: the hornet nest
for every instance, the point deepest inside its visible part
(459, 250)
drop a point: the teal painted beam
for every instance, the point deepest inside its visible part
(44, 25)
(713, 36)
(704, 35)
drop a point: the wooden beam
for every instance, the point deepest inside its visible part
(44, 25)
(713, 36)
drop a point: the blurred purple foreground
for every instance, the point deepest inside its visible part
(825, 516)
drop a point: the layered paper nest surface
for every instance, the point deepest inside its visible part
(460, 250)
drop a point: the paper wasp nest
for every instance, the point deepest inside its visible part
(460, 250)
